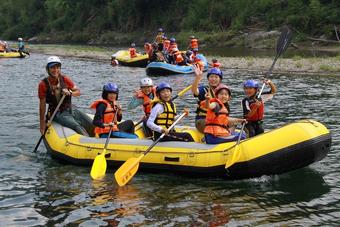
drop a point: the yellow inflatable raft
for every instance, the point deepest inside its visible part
(13, 55)
(286, 148)
(123, 57)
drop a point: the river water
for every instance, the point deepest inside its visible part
(35, 190)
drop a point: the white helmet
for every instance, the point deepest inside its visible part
(53, 60)
(20, 39)
(146, 82)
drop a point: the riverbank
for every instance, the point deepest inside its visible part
(294, 65)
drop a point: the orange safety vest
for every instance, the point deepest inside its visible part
(178, 57)
(217, 124)
(194, 43)
(133, 52)
(259, 114)
(166, 44)
(109, 114)
(216, 65)
(146, 100)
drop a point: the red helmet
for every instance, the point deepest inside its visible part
(220, 87)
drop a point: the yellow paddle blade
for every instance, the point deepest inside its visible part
(124, 174)
(99, 166)
(234, 157)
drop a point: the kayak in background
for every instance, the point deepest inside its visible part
(123, 57)
(162, 68)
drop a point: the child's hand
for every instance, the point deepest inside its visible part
(267, 82)
(207, 96)
(243, 121)
(258, 103)
(198, 71)
(186, 111)
(165, 131)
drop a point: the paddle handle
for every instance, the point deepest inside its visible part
(49, 122)
(163, 134)
(110, 131)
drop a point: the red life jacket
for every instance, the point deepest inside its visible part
(109, 115)
(259, 114)
(146, 100)
(178, 57)
(216, 65)
(217, 124)
(133, 52)
(51, 98)
(194, 44)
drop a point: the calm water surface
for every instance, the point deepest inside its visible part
(37, 191)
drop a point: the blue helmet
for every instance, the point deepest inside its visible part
(250, 84)
(111, 88)
(172, 40)
(215, 71)
(161, 86)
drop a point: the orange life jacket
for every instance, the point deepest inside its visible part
(217, 124)
(166, 45)
(146, 100)
(199, 63)
(216, 65)
(178, 57)
(109, 115)
(133, 52)
(259, 114)
(194, 43)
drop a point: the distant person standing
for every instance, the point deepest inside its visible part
(160, 36)
(21, 45)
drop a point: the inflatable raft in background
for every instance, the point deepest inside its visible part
(13, 55)
(277, 151)
(162, 68)
(123, 57)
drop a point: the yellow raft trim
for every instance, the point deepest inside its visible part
(187, 154)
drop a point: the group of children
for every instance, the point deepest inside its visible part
(4, 47)
(166, 50)
(212, 114)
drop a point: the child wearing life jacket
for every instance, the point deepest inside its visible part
(160, 36)
(193, 43)
(109, 113)
(215, 63)
(132, 50)
(143, 97)
(217, 121)
(114, 61)
(253, 106)
(163, 114)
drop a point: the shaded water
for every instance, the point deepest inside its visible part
(36, 190)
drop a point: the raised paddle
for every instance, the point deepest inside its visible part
(180, 94)
(124, 174)
(99, 165)
(49, 122)
(234, 157)
(282, 44)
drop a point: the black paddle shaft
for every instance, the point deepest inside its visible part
(49, 122)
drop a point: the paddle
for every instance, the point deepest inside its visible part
(99, 165)
(180, 94)
(234, 158)
(49, 122)
(281, 46)
(124, 174)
